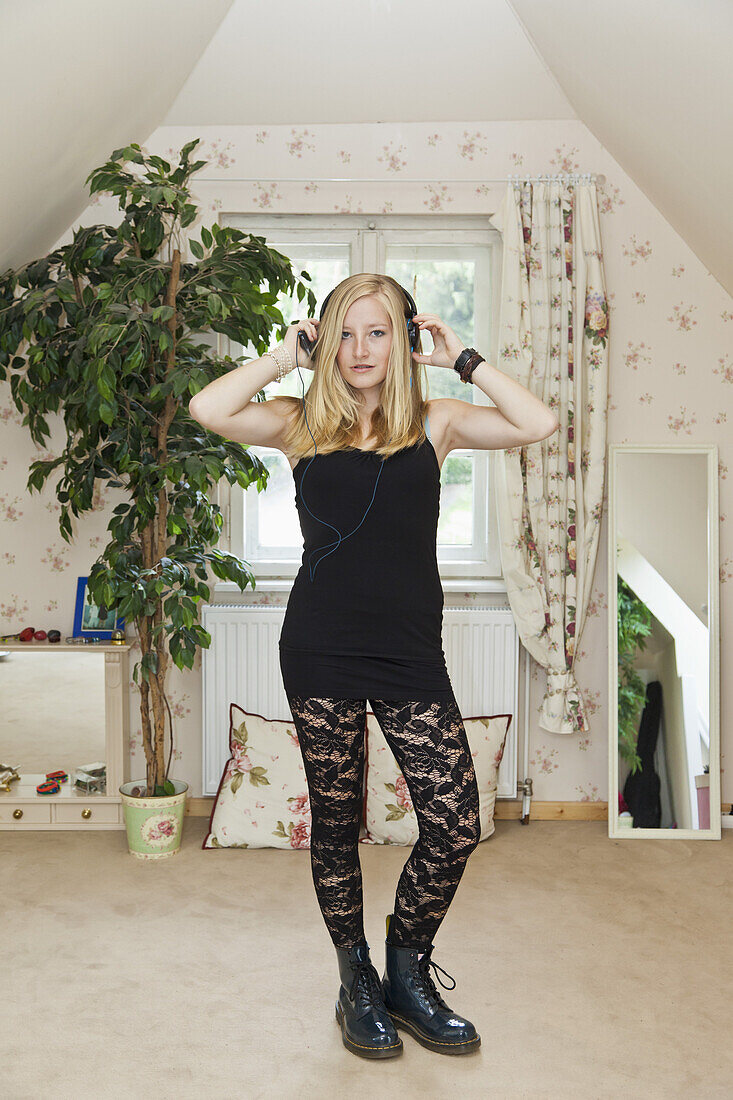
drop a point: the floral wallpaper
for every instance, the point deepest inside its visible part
(671, 375)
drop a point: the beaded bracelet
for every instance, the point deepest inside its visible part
(284, 361)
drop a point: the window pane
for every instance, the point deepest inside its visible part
(455, 525)
(278, 518)
(325, 272)
(445, 287)
(448, 273)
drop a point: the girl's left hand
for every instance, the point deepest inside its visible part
(447, 346)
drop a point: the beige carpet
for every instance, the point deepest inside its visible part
(591, 968)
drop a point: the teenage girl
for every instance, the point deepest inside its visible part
(364, 623)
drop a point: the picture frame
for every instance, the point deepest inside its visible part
(87, 621)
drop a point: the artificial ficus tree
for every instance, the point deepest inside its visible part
(111, 332)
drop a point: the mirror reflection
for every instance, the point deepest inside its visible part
(663, 630)
(52, 710)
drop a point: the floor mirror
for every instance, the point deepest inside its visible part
(664, 655)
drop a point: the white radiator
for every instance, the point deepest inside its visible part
(242, 666)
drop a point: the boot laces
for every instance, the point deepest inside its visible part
(366, 981)
(423, 966)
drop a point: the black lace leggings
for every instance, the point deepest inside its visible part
(428, 740)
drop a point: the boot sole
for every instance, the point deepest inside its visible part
(463, 1046)
(391, 1051)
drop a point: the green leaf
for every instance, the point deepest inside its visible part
(257, 777)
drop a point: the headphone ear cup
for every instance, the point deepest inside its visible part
(412, 334)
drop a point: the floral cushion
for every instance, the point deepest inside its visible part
(262, 800)
(390, 817)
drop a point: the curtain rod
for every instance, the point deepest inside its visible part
(564, 176)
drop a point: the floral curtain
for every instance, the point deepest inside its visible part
(554, 340)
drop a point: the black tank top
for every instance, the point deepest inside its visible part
(377, 596)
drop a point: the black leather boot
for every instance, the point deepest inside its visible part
(415, 1005)
(366, 1028)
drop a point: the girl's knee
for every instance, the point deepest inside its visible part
(452, 845)
(469, 837)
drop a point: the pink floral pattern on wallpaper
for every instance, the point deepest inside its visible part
(725, 370)
(437, 197)
(391, 157)
(299, 143)
(473, 145)
(638, 355)
(636, 251)
(681, 317)
(682, 423)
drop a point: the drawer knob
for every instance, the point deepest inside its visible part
(86, 813)
(17, 813)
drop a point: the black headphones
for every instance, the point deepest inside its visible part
(413, 332)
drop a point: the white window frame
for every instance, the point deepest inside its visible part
(369, 237)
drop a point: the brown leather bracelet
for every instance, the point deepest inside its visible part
(470, 366)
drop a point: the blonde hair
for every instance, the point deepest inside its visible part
(332, 404)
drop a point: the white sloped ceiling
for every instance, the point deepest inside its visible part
(79, 79)
(650, 78)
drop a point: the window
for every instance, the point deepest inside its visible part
(451, 266)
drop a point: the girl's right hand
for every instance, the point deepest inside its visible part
(291, 342)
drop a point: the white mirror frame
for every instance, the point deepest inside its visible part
(616, 831)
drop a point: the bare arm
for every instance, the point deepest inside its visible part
(226, 407)
(520, 417)
(478, 427)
